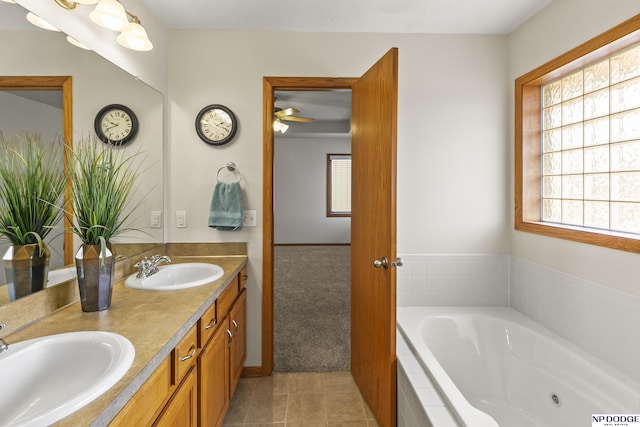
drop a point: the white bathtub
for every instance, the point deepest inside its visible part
(495, 367)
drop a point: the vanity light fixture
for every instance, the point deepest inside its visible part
(110, 14)
(76, 43)
(135, 37)
(39, 22)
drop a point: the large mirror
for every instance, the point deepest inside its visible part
(94, 82)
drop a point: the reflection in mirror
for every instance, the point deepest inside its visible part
(41, 105)
(29, 51)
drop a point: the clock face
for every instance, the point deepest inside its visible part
(116, 124)
(216, 124)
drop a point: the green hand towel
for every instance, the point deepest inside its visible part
(225, 213)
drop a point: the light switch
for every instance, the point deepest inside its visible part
(181, 219)
(156, 219)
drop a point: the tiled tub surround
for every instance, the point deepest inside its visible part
(598, 319)
(154, 322)
(453, 280)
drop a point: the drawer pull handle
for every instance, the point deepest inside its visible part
(230, 338)
(192, 352)
(235, 325)
(211, 324)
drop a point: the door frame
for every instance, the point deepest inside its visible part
(269, 86)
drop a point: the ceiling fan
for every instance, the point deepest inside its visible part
(281, 115)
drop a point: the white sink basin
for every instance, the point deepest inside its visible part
(46, 379)
(177, 276)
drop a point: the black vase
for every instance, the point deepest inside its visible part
(95, 276)
(26, 269)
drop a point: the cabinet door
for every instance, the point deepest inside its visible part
(237, 326)
(183, 407)
(213, 379)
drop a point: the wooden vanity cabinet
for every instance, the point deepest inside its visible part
(222, 357)
(163, 393)
(182, 409)
(238, 349)
(194, 385)
(213, 379)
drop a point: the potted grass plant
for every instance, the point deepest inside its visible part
(102, 177)
(32, 186)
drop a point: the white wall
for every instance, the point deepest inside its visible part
(453, 158)
(564, 24)
(300, 191)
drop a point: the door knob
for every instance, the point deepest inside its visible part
(384, 262)
(381, 263)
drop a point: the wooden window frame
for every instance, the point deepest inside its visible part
(330, 212)
(527, 138)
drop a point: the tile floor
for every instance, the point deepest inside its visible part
(299, 400)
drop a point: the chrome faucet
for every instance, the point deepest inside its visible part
(3, 344)
(147, 267)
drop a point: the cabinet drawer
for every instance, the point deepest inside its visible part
(207, 325)
(243, 279)
(228, 296)
(141, 409)
(185, 355)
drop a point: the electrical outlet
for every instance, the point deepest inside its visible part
(181, 219)
(249, 218)
(156, 219)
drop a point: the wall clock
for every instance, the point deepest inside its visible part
(216, 124)
(116, 124)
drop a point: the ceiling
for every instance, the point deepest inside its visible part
(330, 108)
(370, 16)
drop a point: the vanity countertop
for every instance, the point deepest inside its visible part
(154, 322)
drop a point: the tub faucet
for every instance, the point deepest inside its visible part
(3, 344)
(147, 267)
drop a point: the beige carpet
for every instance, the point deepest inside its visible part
(312, 308)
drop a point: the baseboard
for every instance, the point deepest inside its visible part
(252, 372)
(312, 244)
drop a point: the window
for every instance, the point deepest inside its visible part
(577, 137)
(338, 185)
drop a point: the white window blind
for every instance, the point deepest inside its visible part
(339, 185)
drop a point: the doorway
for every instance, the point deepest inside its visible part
(270, 86)
(312, 231)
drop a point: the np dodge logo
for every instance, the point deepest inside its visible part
(615, 420)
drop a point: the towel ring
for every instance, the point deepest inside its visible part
(231, 167)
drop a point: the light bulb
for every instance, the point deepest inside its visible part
(76, 43)
(110, 14)
(135, 37)
(39, 22)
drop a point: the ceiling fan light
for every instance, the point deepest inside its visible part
(39, 22)
(110, 14)
(76, 43)
(86, 1)
(135, 37)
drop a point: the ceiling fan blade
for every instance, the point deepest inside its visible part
(286, 111)
(297, 119)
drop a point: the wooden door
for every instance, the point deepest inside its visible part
(213, 379)
(238, 354)
(373, 236)
(182, 410)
